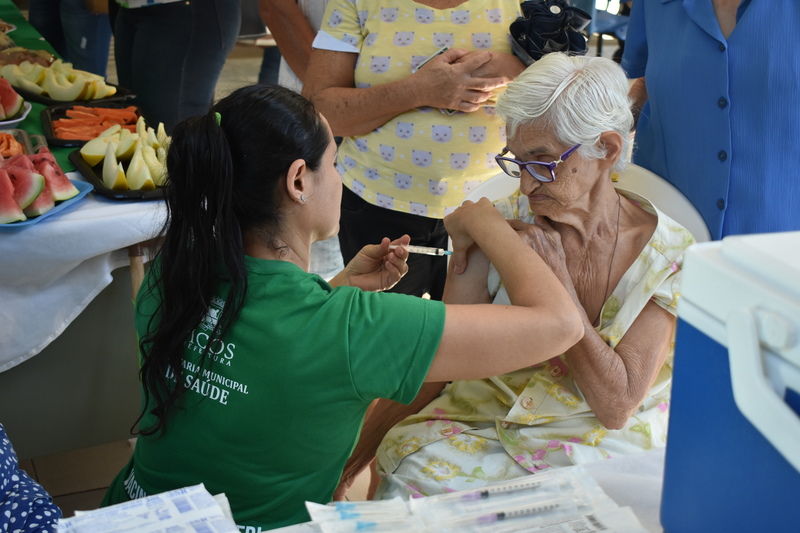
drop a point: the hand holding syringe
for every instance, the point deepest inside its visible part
(426, 250)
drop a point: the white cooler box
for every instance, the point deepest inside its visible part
(733, 448)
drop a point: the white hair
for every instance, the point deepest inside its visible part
(577, 98)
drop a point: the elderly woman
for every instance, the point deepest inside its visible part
(568, 122)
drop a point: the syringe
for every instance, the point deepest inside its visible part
(427, 250)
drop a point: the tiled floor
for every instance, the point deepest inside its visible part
(78, 479)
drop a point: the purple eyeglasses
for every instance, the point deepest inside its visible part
(544, 172)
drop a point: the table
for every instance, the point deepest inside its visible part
(68, 355)
(633, 481)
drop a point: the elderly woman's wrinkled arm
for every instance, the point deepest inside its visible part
(615, 381)
(443, 82)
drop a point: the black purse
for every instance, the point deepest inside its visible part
(548, 26)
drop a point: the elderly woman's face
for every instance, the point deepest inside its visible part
(574, 175)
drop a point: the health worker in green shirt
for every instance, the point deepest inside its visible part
(256, 375)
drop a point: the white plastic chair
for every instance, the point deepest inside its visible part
(666, 197)
(636, 179)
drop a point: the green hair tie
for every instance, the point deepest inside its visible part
(219, 119)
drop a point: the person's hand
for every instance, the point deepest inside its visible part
(448, 81)
(376, 267)
(546, 242)
(501, 65)
(457, 223)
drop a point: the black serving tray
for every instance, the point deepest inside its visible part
(55, 112)
(121, 94)
(94, 175)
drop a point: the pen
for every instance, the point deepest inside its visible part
(427, 250)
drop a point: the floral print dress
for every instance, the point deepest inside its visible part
(489, 430)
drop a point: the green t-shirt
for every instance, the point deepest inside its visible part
(273, 421)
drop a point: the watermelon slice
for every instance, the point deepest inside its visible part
(10, 100)
(43, 203)
(46, 165)
(19, 160)
(59, 184)
(28, 185)
(44, 154)
(10, 210)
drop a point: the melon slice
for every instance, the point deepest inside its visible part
(19, 160)
(44, 154)
(46, 165)
(11, 72)
(113, 173)
(59, 184)
(58, 87)
(11, 101)
(30, 86)
(10, 211)
(28, 185)
(43, 203)
(138, 174)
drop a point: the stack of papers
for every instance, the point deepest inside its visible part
(187, 509)
(565, 500)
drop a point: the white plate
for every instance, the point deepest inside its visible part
(8, 124)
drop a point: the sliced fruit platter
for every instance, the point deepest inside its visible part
(74, 124)
(123, 164)
(33, 186)
(53, 82)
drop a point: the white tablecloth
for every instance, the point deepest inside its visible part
(50, 271)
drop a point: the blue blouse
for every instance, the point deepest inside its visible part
(25, 506)
(722, 120)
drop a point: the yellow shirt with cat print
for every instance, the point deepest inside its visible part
(423, 161)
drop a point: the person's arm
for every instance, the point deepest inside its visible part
(638, 97)
(291, 30)
(443, 82)
(483, 340)
(614, 381)
(468, 287)
(502, 65)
